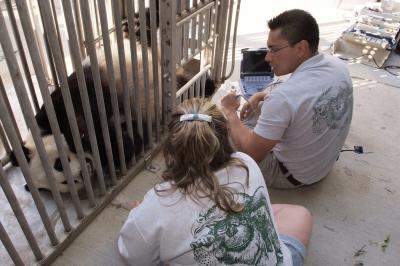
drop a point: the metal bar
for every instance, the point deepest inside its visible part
(193, 36)
(111, 80)
(37, 64)
(126, 97)
(192, 80)
(23, 99)
(96, 17)
(155, 63)
(4, 139)
(60, 68)
(76, 60)
(168, 33)
(203, 85)
(185, 45)
(22, 55)
(145, 62)
(97, 83)
(198, 90)
(11, 133)
(135, 73)
(78, 23)
(107, 200)
(57, 27)
(219, 45)
(234, 40)
(38, 35)
(201, 9)
(9, 246)
(201, 28)
(48, 52)
(227, 39)
(8, 106)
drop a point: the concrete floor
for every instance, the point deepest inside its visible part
(354, 208)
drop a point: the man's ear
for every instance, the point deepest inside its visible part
(303, 48)
(13, 158)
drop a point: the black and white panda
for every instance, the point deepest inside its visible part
(130, 146)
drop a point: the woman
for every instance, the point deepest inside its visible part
(212, 207)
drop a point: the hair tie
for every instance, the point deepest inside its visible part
(195, 117)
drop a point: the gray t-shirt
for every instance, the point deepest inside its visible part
(310, 115)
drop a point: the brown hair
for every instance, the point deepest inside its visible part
(194, 150)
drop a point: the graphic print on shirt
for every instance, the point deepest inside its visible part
(245, 238)
(333, 109)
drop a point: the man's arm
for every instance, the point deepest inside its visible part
(244, 139)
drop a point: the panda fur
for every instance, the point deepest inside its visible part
(130, 146)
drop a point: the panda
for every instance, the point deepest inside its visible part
(131, 146)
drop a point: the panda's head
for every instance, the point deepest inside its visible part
(36, 168)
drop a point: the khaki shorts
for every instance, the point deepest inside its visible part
(273, 174)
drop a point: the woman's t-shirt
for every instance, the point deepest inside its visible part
(174, 229)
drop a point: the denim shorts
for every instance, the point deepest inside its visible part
(297, 249)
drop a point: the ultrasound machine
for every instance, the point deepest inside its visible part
(255, 72)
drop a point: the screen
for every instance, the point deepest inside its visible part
(254, 61)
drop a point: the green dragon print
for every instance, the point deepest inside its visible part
(245, 238)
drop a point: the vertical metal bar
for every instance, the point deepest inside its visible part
(76, 60)
(135, 73)
(4, 139)
(60, 68)
(8, 106)
(145, 61)
(38, 36)
(168, 31)
(215, 57)
(111, 78)
(220, 27)
(22, 54)
(234, 39)
(48, 52)
(37, 64)
(19, 214)
(154, 57)
(29, 117)
(203, 85)
(185, 45)
(23, 99)
(56, 24)
(96, 17)
(9, 246)
(11, 133)
(78, 23)
(97, 83)
(193, 32)
(200, 31)
(227, 39)
(198, 91)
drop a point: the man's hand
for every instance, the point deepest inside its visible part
(251, 105)
(230, 103)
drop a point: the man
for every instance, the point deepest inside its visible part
(304, 122)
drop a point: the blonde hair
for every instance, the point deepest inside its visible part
(194, 150)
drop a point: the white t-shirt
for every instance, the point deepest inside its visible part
(175, 230)
(310, 115)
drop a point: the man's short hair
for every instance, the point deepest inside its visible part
(297, 25)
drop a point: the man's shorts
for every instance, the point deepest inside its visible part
(276, 175)
(297, 249)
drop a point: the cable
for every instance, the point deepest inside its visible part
(357, 149)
